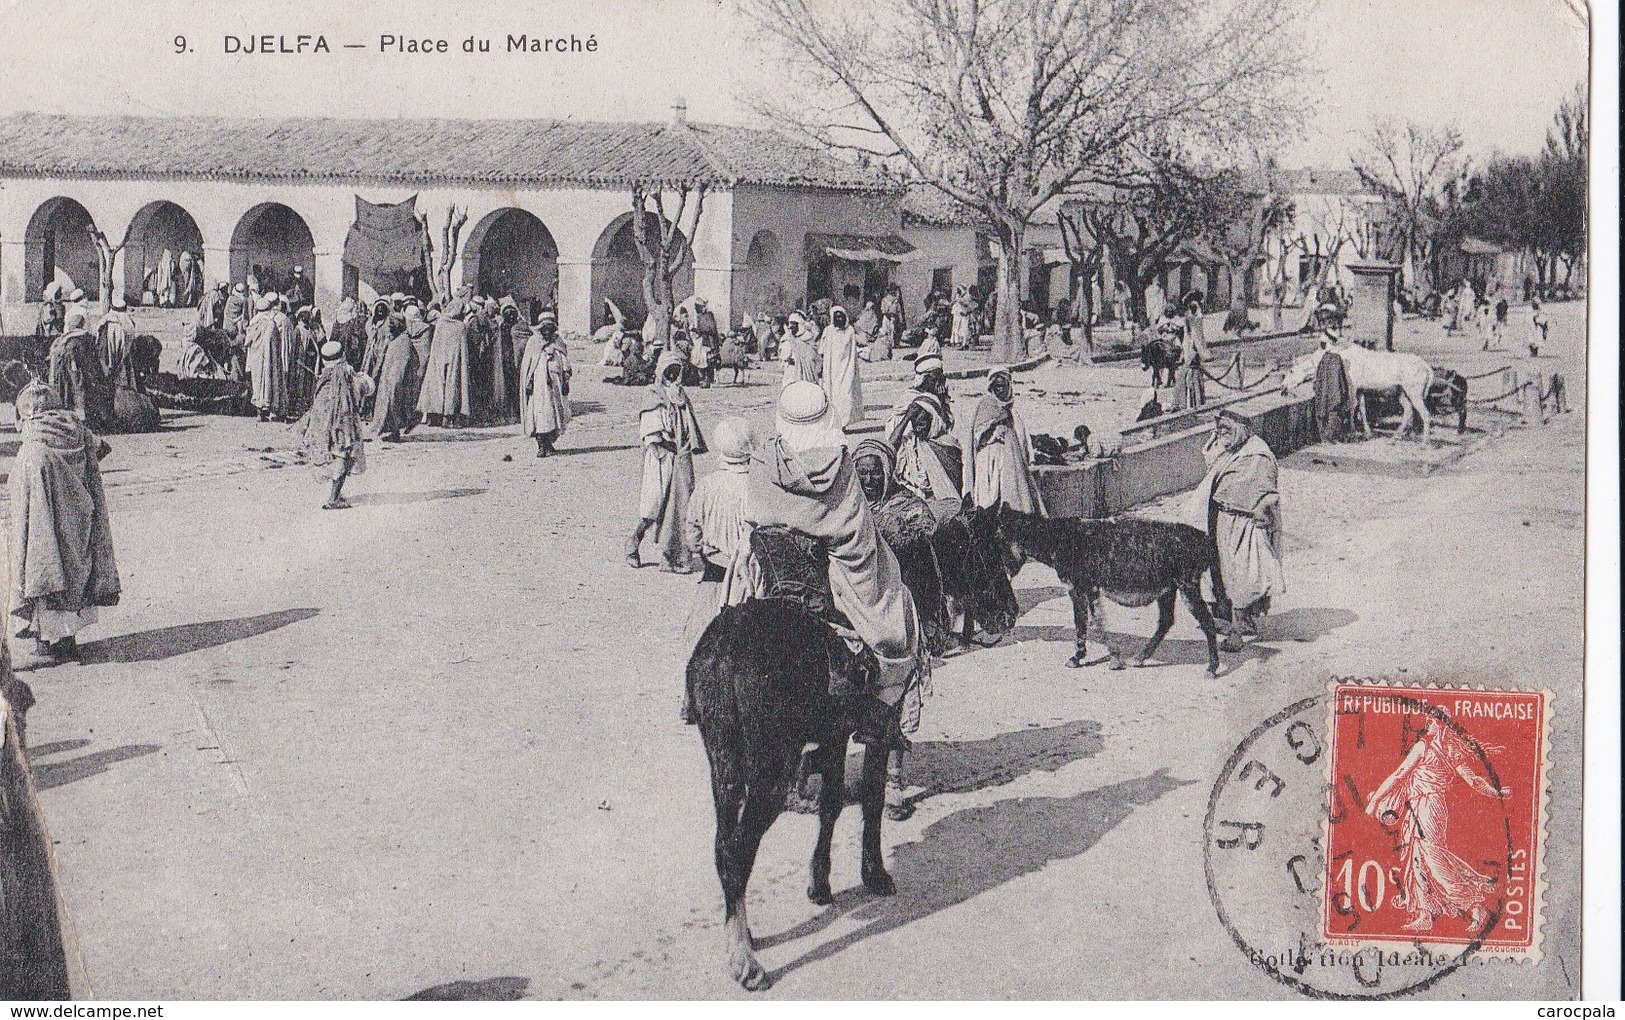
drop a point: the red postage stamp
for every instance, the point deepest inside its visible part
(1435, 817)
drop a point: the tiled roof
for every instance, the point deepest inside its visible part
(924, 205)
(1326, 181)
(541, 152)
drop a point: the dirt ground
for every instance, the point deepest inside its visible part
(430, 745)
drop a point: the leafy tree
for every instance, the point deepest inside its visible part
(1247, 209)
(1562, 203)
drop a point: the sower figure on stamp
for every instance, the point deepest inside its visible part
(1238, 503)
(1433, 880)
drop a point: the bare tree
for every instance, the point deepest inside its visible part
(1086, 250)
(439, 263)
(665, 245)
(1250, 208)
(1006, 105)
(1145, 225)
(106, 255)
(1416, 169)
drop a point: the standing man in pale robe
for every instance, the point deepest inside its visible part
(448, 395)
(62, 566)
(843, 383)
(671, 438)
(1001, 452)
(544, 387)
(265, 342)
(1238, 503)
(800, 358)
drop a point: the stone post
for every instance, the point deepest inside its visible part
(1371, 304)
(575, 296)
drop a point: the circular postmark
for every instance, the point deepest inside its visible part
(1276, 804)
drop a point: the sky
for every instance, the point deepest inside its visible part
(1495, 68)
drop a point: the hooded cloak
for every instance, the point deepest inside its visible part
(61, 541)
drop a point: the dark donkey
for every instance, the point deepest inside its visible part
(760, 683)
(1133, 562)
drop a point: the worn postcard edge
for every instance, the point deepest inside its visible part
(1536, 951)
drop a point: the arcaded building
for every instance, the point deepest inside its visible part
(548, 205)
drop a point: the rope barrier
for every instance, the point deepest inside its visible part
(1241, 380)
(1514, 391)
(1486, 375)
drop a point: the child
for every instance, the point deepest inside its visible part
(1540, 324)
(718, 536)
(331, 430)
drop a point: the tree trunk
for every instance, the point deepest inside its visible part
(1009, 342)
(1136, 300)
(1236, 321)
(106, 259)
(1088, 298)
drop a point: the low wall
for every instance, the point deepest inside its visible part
(1168, 464)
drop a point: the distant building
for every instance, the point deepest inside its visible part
(548, 205)
(1336, 221)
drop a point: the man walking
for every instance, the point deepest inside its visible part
(1239, 503)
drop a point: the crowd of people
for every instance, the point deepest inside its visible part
(860, 498)
(472, 360)
(382, 371)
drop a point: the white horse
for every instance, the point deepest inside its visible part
(1374, 372)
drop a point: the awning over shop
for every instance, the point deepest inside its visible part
(385, 238)
(861, 248)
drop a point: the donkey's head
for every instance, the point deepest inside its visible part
(991, 566)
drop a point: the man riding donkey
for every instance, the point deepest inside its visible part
(907, 523)
(803, 481)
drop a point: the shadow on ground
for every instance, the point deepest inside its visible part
(1299, 625)
(168, 642)
(401, 498)
(55, 747)
(452, 436)
(973, 851)
(499, 989)
(60, 773)
(937, 767)
(572, 451)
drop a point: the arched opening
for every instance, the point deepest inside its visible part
(269, 241)
(511, 253)
(58, 249)
(762, 289)
(163, 257)
(617, 273)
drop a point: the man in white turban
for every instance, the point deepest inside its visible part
(267, 358)
(803, 480)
